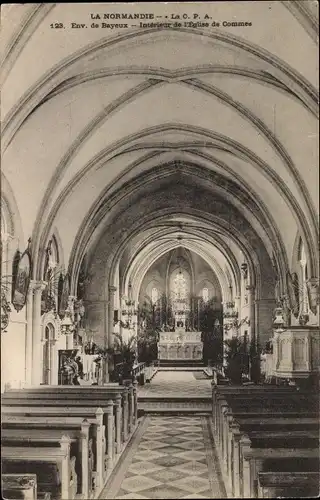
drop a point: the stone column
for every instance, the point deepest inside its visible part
(112, 291)
(108, 340)
(53, 362)
(251, 303)
(264, 308)
(29, 341)
(120, 313)
(36, 333)
(70, 309)
(308, 352)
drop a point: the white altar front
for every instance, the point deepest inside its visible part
(179, 345)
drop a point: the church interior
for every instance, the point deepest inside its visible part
(159, 254)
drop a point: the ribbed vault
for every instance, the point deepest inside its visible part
(124, 146)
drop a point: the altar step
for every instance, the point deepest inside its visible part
(174, 405)
(181, 363)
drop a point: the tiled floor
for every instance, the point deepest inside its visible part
(170, 457)
(176, 383)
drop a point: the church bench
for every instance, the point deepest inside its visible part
(88, 403)
(15, 486)
(299, 436)
(274, 426)
(36, 415)
(229, 422)
(109, 391)
(281, 422)
(227, 410)
(80, 438)
(297, 408)
(252, 460)
(125, 399)
(236, 394)
(230, 456)
(272, 401)
(288, 484)
(63, 474)
(267, 432)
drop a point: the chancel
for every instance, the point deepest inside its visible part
(160, 250)
(180, 343)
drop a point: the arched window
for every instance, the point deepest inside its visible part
(51, 274)
(154, 295)
(205, 295)
(180, 286)
(304, 302)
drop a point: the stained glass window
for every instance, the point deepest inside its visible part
(154, 295)
(205, 295)
(180, 286)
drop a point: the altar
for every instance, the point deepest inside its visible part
(179, 345)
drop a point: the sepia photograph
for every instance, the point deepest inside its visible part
(160, 333)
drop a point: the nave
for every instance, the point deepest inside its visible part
(171, 457)
(251, 441)
(160, 248)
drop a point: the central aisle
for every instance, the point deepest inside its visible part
(170, 457)
(176, 383)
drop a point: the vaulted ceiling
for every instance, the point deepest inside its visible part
(111, 140)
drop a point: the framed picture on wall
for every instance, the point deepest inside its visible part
(21, 280)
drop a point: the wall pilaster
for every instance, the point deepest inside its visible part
(38, 287)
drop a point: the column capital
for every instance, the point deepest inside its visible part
(37, 286)
(112, 289)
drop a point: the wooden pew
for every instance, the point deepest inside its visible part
(69, 416)
(219, 394)
(282, 423)
(231, 459)
(51, 433)
(125, 401)
(252, 461)
(275, 438)
(263, 407)
(288, 484)
(227, 415)
(226, 419)
(84, 407)
(253, 391)
(79, 398)
(109, 391)
(59, 456)
(265, 410)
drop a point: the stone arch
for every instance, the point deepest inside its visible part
(80, 247)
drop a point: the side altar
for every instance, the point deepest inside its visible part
(180, 344)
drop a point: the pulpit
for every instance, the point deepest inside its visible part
(180, 345)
